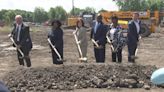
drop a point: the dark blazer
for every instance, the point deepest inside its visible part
(25, 39)
(100, 34)
(56, 37)
(132, 32)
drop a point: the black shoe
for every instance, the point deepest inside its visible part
(100, 62)
(21, 64)
(113, 60)
(132, 61)
(58, 62)
(28, 62)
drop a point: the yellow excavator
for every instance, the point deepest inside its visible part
(149, 19)
(86, 16)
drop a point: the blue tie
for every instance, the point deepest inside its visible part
(96, 26)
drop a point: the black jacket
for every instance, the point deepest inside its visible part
(133, 35)
(100, 34)
(25, 39)
(56, 37)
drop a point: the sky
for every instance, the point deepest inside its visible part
(29, 5)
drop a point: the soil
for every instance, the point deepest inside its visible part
(75, 76)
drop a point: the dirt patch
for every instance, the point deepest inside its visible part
(75, 76)
(150, 54)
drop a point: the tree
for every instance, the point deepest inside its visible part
(9, 16)
(139, 5)
(57, 13)
(102, 10)
(155, 4)
(40, 15)
(76, 11)
(132, 5)
(27, 16)
(2, 12)
(52, 13)
(89, 10)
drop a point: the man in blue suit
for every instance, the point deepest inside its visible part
(98, 33)
(133, 36)
(21, 36)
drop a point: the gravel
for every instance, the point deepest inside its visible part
(69, 77)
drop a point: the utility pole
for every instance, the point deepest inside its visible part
(73, 7)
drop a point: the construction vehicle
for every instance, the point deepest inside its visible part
(150, 20)
(71, 22)
(87, 18)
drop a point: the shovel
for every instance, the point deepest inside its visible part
(20, 51)
(136, 57)
(95, 43)
(79, 49)
(110, 44)
(54, 48)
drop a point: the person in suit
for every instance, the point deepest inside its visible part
(82, 36)
(98, 33)
(116, 55)
(56, 37)
(133, 36)
(21, 36)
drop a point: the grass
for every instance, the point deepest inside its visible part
(5, 29)
(32, 29)
(40, 28)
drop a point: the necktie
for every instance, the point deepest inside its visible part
(18, 33)
(96, 26)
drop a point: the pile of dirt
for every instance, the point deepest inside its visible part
(68, 77)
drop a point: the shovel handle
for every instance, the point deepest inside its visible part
(110, 43)
(95, 43)
(49, 41)
(20, 51)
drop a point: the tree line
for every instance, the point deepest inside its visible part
(40, 15)
(140, 5)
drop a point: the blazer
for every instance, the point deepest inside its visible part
(56, 37)
(133, 35)
(100, 34)
(82, 36)
(24, 37)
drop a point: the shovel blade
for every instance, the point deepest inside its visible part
(83, 59)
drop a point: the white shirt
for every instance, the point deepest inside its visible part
(137, 25)
(19, 29)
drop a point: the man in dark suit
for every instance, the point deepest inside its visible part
(98, 33)
(21, 36)
(133, 36)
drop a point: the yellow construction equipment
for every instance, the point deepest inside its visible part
(86, 16)
(150, 19)
(72, 21)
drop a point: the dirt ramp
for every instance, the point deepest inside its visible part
(68, 77)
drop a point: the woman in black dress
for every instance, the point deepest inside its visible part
(56, 37)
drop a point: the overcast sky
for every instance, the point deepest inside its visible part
(29, 5)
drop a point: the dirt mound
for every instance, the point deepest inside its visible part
(67, 77)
